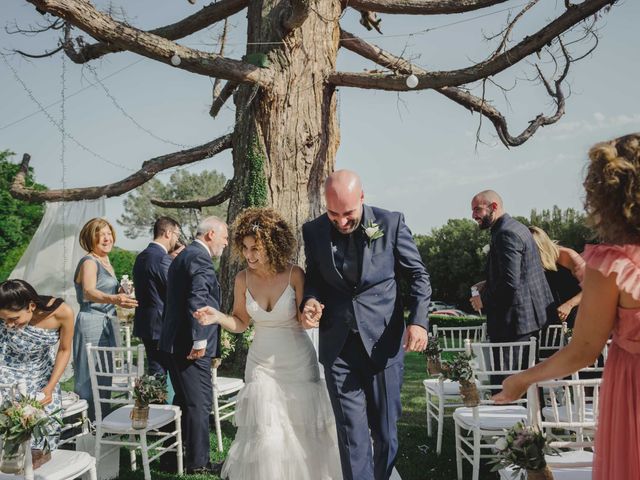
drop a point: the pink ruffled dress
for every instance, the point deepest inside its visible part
(618, 436)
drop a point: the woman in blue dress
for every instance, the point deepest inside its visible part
(98, 293)
(31, 325)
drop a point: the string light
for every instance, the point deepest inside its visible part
(412, 81)
(176, 60)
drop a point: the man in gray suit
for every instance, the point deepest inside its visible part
(515, 296)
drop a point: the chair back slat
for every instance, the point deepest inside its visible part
(107, 364)
(452, 338)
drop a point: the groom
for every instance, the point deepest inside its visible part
(354, 256)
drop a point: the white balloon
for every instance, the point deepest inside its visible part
(412, 81)
(175, 60)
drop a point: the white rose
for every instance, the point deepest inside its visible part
(370, 231)
(29, 411)
(501, 444)
(486, 249)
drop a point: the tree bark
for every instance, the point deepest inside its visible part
(286, 136)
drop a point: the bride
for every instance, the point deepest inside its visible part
(286, 428)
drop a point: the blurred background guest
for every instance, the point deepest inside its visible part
(563, 268)
(30, 327)
(98, 293)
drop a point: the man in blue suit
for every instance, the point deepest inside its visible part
(150, 282)
(515, 296)
(355, 256)
(192, 284)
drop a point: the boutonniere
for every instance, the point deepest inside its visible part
(486, 249)
(372, 231)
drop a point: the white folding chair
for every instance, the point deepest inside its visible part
(573, 406)
(111, 428)
(552, 339)
(442, 393)
(63, 465)
(485, 422)
(225, 390)
(74, 418)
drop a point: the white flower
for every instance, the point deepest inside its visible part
(29, 411)
(501, 443)
(371, 231)
(486, 249)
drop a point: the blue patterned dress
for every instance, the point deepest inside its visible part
(28, 354)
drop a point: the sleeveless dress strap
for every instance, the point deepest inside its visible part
(290, 271)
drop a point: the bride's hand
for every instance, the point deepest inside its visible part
(206, 315)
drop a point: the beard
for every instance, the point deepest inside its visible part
(350, 227)
(486, 221)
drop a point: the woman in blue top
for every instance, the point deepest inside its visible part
(30, 327)
(98, 293)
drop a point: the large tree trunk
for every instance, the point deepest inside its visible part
(279, 162)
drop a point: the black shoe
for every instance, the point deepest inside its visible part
(209, 469)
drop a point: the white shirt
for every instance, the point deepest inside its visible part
(200, 344)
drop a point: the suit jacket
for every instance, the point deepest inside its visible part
(150, 283)
(517, 299)
(191, 284)
(375, 301)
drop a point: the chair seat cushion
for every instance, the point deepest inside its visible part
(566, 473)
(491, 417)
(563, 414)
(449, 387)
(226, 385)
(120, 420)
(64, 464)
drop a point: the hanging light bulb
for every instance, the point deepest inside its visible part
(175, 60)
(412, 81)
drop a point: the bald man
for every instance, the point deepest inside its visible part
(515, 296)
(355, 254)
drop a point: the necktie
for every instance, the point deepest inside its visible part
(350, 264)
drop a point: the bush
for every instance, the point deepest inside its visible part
(122, 261)
(449, 321)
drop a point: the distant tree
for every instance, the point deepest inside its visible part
(568, 226)
(122, 261)
(140, 213)
(18, 220)
(455, 259)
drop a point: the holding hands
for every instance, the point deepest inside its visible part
(311, 313)
(207, 315)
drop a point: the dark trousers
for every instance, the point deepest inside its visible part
(194, 395)
(158, 360)
(366, 403)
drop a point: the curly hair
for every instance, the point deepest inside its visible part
(271, 232)
(612, 189)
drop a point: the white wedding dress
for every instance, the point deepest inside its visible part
(286, 427)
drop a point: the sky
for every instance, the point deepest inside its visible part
(415, 151)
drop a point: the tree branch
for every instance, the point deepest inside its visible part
(463, 97)
(487, 68)
(84, 15)
(206, 17)
(296, 16)
(222, 97)
(217, 199)
(148, 170)
(39, 55)
(421, 7)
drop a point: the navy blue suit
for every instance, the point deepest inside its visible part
(516, 299)
(364, 365)
(150, 283)
(191, 284)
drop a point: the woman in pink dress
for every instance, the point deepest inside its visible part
(610, 307)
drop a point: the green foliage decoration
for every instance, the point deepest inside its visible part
(256, 194)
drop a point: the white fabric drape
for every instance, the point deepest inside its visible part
(53, 253)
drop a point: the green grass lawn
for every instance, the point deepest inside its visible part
(417, 459)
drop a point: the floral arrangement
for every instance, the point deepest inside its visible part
(524, 448)
(433, 346)
(150, 389)
(24, 417)
(461, 368)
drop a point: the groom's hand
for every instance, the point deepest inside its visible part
(311, 313)
(415, 339)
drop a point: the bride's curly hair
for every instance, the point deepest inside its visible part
(271, 232)
(612, 189)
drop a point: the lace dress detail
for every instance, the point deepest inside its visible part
(286, 427)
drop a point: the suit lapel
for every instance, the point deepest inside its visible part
(326, 251)
(367, 216)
